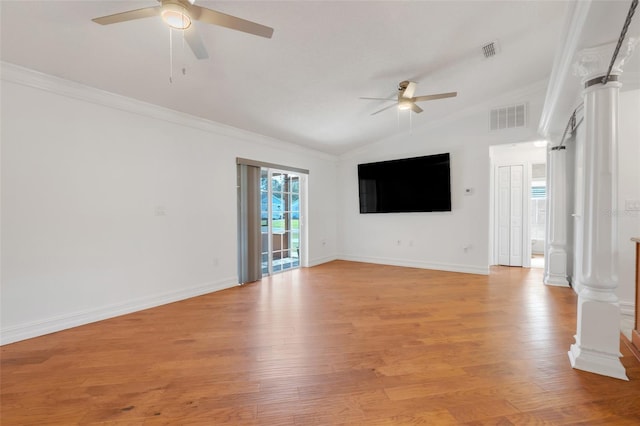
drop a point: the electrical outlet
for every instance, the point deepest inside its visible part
(632, 205)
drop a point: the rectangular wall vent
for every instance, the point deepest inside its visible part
(508, 117)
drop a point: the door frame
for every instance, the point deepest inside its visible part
(302, 216)
(526, 206)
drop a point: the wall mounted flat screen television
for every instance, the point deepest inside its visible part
(419, 184)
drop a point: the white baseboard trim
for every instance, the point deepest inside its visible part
(449, 267)
(321, 260)
(29, 330)
(627, 317)
(627, 309)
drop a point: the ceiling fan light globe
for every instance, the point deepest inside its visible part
(175, 16)
(403, 106)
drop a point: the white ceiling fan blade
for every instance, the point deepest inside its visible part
(415, 108)
(193, 39)
(433, 97)
(130, 15)
(410, 90)
(222, 19)
(379, 99)
(384, 109)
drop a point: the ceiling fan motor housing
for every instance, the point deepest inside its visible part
(175, 14)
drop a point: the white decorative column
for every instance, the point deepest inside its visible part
(555, 265)
(597, 347)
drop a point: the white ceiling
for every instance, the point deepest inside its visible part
(303, 85)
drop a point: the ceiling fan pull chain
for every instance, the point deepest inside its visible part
(184, 66)
(170, 55)
(410, 122)
(181, 14)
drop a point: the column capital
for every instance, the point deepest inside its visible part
(554, 139)
(594, 61)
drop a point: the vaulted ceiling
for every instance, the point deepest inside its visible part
(304, 84)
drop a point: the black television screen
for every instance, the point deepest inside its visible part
(419, 184)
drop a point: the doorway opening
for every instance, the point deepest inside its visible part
(538, 214)
(518, 204)
(272, 206)
(280, 220)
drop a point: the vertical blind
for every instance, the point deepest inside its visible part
(249, 224)
(249, 237)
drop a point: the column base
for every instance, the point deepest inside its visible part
(555, 272)
(597, 347)
(597, 362)
(556, 280)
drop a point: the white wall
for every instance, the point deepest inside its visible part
(628, 189)
(518, 153)
(433, 240)
(83, 176)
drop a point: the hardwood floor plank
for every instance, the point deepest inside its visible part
(434, 417)
(341, 343)
(473, 411)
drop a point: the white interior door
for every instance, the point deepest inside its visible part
(510, 215)
(504, 215)
(516, 231)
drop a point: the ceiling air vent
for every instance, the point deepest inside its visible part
(508, 117)
(490, 49)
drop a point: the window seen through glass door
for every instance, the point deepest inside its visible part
(280, 220)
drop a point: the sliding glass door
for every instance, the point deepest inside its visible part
(280, 220)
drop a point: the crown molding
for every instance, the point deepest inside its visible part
(34, 79)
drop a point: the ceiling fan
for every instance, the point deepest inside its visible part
(405, 99)
(179, 14)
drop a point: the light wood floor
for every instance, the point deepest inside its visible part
(342, 343)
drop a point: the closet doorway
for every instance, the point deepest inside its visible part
(517, 201)
(510, 215)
